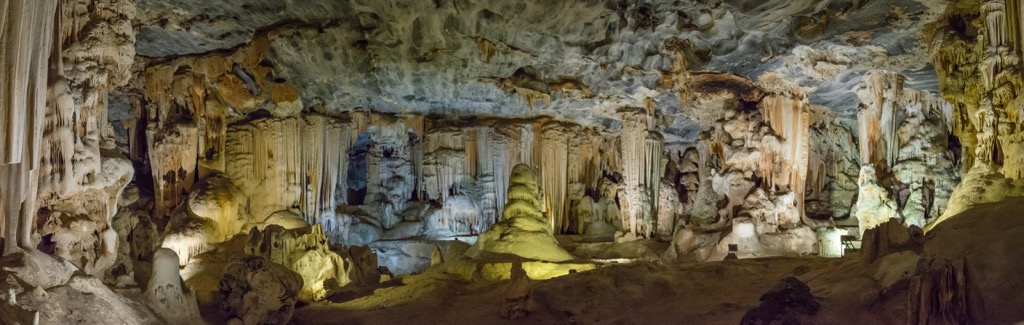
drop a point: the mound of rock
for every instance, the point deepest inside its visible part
(523, 230)
(258, 291)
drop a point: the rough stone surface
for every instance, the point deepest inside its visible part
(786, 303)
(258, 291)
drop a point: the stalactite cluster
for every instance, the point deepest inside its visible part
(187, 101)
(905, 134)
(290, 162)
(476, 161)
(981, 79)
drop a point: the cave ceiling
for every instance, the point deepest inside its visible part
(451, 57)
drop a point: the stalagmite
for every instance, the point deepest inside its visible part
(165, 292)
(522, 230)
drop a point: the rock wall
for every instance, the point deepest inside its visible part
(976, 49)
(911, 149)
(753, 169)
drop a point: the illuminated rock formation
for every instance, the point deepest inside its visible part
(289, 133)
(523, 230)
(165, 292)
(759, 190)
(905, 134)
(642, 165)
(304, 251)
(874, 206)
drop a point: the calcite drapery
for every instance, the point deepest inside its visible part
(905, 136)
(879, 118)
(788, 115)
(27, 31)
(281, 163)
(641, 165)
(554, 174)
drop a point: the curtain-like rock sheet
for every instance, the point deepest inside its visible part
(27, 37)
(326, 162)
(785, 162)
(554, 174)
(444, 162)
(879, 118)
(290, 162)
(641, 171)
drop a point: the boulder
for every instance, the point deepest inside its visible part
(258, 291)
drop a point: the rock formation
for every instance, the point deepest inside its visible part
(518, 303)
(306, 150)
(523, 230)
(258, 291)
(304, 251)
(165, 292)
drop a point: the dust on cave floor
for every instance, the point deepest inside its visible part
(634, 293)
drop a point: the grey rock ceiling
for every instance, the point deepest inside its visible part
(423, 56)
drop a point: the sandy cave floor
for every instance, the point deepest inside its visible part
(637, 293)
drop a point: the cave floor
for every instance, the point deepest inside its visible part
(636, 293)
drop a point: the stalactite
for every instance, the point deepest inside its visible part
(290, 162)
(527, 144)
(504, 143)
(641, 171)
(554, 178)
(579, 154)
(995, 23)
(484, 156)
(471, 147)
(654, 165)
(444, 162)
(212, 128)
(879, 119)
(487, 48)
(788, 116)
(325, 154)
